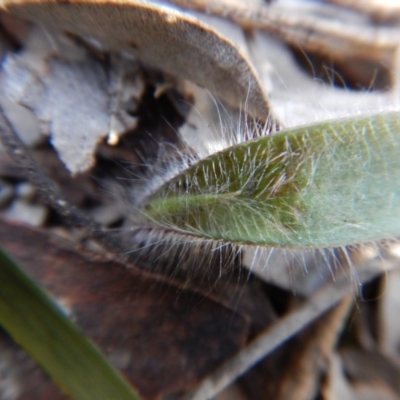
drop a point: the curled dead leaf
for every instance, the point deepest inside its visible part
(159, 35)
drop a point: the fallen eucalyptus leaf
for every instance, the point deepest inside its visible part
(324, 185)
(160, 36)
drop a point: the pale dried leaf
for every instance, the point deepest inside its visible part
(299, 271)
(162, 37)
(23, 120)
(390, 306)
(210, 124)
(337, 386)
(74, 98)
(379, 10)
(373, 391)
(310, 25)
(297, 99)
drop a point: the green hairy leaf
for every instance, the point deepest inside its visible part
(38, 325)
(329, 184)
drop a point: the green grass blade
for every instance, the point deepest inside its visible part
(37, 324)
(328, 184)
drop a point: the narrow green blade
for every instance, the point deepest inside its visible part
(37, 324)
(328, 184)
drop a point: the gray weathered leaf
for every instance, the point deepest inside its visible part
(72, 95)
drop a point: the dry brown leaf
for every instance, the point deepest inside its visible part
(160, 36)
(164, 338)
(310, 360)
(296, 370)
(371, 368)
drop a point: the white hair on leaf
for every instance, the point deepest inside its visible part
(195, 205)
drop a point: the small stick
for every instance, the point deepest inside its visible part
(279, 333)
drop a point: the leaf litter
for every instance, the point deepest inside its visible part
(322, 377)
(47, 84)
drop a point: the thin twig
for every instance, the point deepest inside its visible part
(279, 333)
(48, 190)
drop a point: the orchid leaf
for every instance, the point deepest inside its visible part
(329, 184)
(38, 325)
